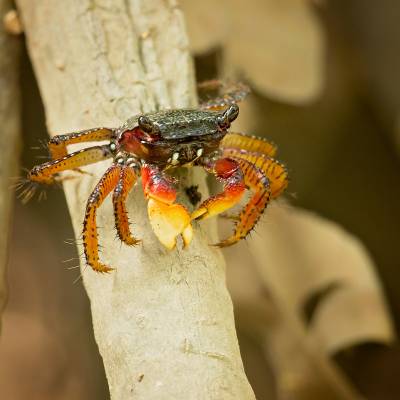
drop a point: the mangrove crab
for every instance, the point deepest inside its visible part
(148, 146)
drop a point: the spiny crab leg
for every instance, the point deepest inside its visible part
(127, 179)
(90, 237)
(275, 171)
(168, 219)
(58, 144)
(45, 173)
(236, 174)
(232, 93)
(256, 180)
(249, 143)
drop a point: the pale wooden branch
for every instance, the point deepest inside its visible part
(163, 320)
(10, 128)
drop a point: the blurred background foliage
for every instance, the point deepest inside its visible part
(316, 288)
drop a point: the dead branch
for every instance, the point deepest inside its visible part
(163, 321)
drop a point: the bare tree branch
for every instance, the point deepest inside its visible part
(163, 321)
(10, 127)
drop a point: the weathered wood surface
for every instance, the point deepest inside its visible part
(163, 320)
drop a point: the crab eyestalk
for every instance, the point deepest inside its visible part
(147, 126)
(228, 116)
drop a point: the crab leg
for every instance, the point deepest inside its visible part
(231, 94)
(167, 219)
(89, 235)
(230, 174)
(256, 180)
(275, 171)
(44, 173)
(249, 143)
(58, 144)
(127, 178)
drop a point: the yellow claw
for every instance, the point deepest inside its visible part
(169, 221)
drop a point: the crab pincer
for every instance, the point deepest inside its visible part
(167, 218)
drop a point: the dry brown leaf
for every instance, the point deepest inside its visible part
(278, 47)
(207, 23)
(276, 44)
(300, 254)
(294, 256)
(349, 316)
(301, 370)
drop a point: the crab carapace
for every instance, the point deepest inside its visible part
(147, 147)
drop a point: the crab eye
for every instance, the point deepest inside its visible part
(146, 125)
(230, 114)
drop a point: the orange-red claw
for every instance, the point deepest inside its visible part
(169, 221)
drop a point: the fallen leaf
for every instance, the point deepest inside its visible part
(299, 254)
(207, 23)
(298, 262)
(277, 45)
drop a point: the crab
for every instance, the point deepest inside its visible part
(148, 146)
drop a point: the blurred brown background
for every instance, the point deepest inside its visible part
(332, 104)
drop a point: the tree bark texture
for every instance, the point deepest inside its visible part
(9, 128)
(163, 320)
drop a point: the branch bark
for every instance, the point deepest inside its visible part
(10, 128)
(163, 321)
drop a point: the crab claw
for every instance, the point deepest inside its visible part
(169, 221)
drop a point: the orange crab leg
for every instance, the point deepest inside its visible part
(256, 180)
(167, 219)
(249, 143)
(231, 94)
(127, 178)
(230, 174)
(58, 144)
(273, 169)
(89, 235)
(44, 173)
